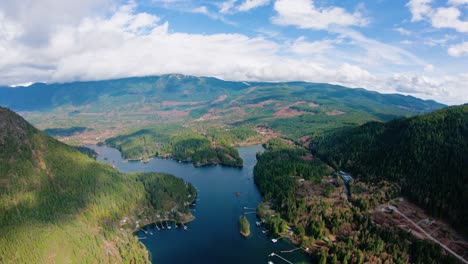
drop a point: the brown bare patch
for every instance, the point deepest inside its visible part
(313, 105)
(172, 113)
(220, 99)
(5, 183)
(307, 157)
(177, 103)
(239, 111)
(287, 112)
(261, 104)
(304, 139)
(436, 228)
(335, 113)
(211, 115)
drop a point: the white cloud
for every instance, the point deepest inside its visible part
(124, 43)
(378, 52)
(251, 4)
(449, 18)
(37, 20)
(227, 6)
(230, 7)
(458, 2)
(403, 31)
(458, 50)
(304, 48)
(304, 14)
(450, 89)
(414, 84)
(440, 41)
(353, 74)
(201, 10)
(429, 68)
(442, 17)
(419, 9)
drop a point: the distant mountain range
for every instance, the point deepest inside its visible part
(294, 109)
(40, 96)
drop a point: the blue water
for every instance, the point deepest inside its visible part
(213, 237)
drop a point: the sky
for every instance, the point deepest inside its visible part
(412, 47)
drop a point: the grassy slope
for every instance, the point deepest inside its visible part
(60, 206)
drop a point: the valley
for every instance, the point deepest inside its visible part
(310, 133)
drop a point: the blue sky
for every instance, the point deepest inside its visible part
(415, 47)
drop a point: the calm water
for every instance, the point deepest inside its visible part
(214, 235)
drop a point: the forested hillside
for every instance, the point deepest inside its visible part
(58, 205)
(426, 155)
(308, 202)
(181, 144)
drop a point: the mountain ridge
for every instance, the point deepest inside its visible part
(235, 85)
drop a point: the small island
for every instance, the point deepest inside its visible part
(244, 226)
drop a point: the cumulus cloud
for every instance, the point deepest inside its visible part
(304, 14)
(122, 42)
(449, 18)
(419, 9)
(442, 17)
(134, 44)
(452, 88)
(458, 49)
(37, 20)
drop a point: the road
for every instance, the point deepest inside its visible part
(430, 237)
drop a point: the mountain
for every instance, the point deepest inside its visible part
(293, 109)
(61, 206)
(426, 155)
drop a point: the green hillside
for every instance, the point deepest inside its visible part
(179, 143)
(426, 155)
(83, 111)
(60, 206)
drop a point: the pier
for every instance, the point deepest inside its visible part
(276, 255)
